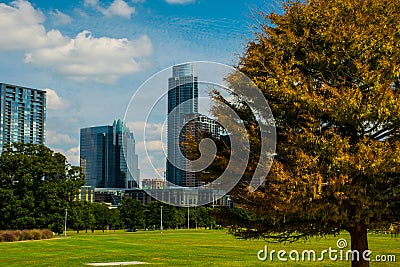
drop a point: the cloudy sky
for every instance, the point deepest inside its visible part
(91, 56)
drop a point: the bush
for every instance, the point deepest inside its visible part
(47, 234)
(37, 234)
(27, 235)
(18, 235)
(8, 236)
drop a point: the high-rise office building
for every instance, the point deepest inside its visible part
(103, 158)
(182, 100)
(195, 124)
(22, 115)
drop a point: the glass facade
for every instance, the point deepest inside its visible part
(182, 100)
(102, 157)
(23, 115)
(194, 125)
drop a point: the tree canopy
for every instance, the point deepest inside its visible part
(36, 185)
(132, 213)
(330, 71)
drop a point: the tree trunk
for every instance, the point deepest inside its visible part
(359, 242)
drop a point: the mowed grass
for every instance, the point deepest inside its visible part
(173, 248)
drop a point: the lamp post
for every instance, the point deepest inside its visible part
(188, 218)
(65, 223)
(161, 226)
(195, 215)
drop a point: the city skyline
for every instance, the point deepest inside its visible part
(91, 56)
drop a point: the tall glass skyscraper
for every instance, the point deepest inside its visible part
(183, 95)
(22, 115)
(103, 159)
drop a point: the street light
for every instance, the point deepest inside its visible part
(195, 215)
(161, 227)
(65, 224)
(188, 218)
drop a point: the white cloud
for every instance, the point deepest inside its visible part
(81, 13)
(54, 101)
(181, 2)
(88, 58)
(72, 155)
(21, 28)
(117, 8)
(53, 138)
(60, 17)
(84, 57)
(152, 151)
(153, 130)
(152, 171)
(153, 146)
(91, 3)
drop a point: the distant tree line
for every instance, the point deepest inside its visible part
(37, 185)
(132, 215)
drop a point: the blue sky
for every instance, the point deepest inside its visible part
(92, 55)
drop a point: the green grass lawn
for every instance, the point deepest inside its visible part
(172, 248)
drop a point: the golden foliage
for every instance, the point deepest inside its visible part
(330, 72)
